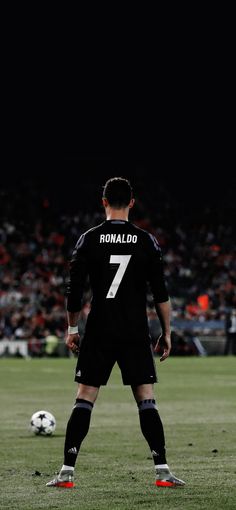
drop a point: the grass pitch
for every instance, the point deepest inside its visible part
(196, 398)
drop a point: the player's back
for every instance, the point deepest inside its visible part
(120, 258)
(117, 272)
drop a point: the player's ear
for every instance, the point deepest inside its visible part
(131, 204)
(104, 202)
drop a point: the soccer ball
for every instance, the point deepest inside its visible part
(42, 423)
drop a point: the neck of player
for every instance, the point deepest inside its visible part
(117, 214)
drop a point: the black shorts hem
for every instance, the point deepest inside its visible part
(89, 383)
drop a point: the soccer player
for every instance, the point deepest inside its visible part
(120, 259)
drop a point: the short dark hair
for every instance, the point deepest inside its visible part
(118, 192)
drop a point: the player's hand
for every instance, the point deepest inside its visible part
(72, 342)
(165, 342)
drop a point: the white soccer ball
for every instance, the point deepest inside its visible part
(43, 423)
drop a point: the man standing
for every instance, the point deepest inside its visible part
(230, 326)
(120, 259)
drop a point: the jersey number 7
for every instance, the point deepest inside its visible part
(123, 261)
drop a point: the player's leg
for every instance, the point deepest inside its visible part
(150, 422)
(76, 431)
(93, 369)
(79, 422)
(152, 429)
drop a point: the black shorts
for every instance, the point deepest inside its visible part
(96, 360)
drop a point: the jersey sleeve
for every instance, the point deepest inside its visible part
(156, 273)
(78, 271)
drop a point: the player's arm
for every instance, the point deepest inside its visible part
(72, 339)
(78, 271)
(161, 297)
(163, 312)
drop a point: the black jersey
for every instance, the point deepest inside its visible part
(120, 259)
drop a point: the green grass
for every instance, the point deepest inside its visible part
(197, 403)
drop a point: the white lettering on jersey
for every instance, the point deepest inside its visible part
(118, 238)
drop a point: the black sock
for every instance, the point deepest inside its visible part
(77, 429)
(152, 429)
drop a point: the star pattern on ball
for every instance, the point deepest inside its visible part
(41, 429)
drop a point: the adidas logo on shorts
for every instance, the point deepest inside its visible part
(79, 373)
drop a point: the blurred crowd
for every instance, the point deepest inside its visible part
(36, 244)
